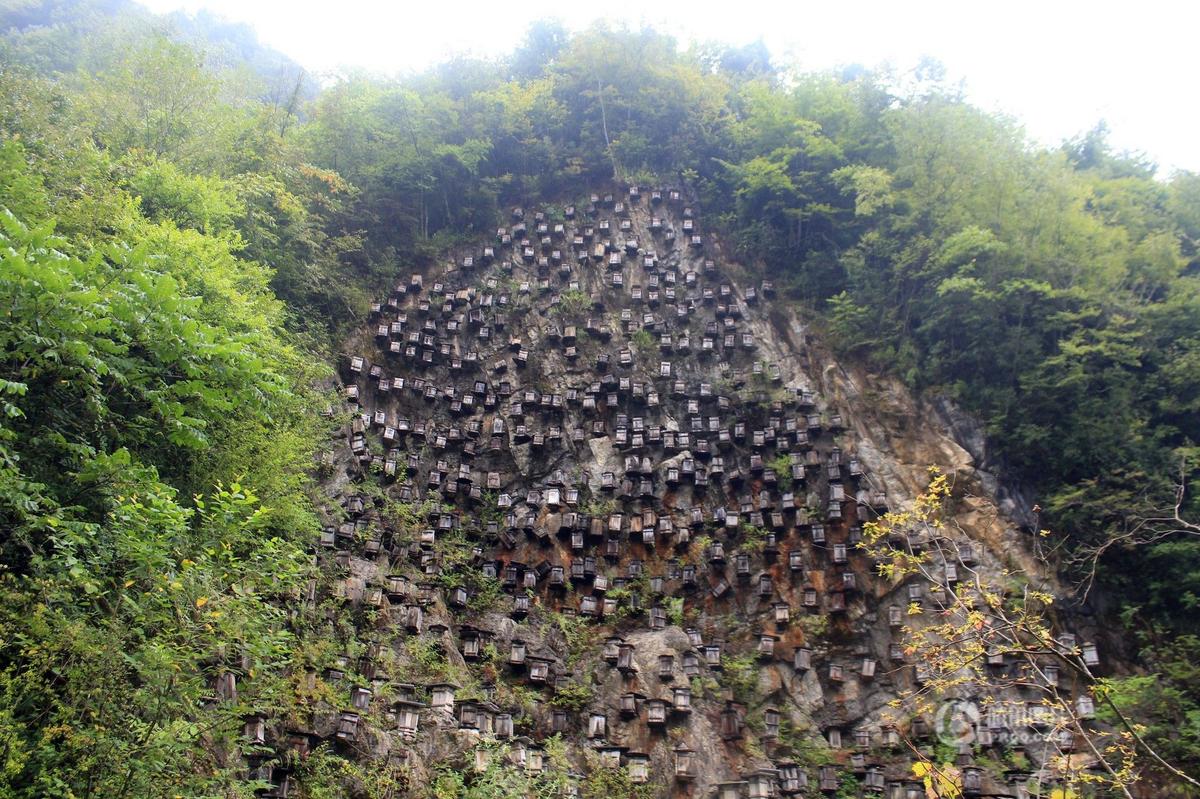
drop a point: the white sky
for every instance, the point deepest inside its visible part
(1058, 67)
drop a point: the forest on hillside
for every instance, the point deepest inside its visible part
(189, 223)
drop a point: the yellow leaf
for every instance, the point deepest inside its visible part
(128, 583)
(202, 601)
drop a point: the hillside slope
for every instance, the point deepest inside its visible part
(600, 504)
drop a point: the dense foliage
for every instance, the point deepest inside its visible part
(185, 218)
(155, 426)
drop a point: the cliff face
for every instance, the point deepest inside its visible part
(597, 485)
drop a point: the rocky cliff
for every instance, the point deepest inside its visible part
(598, 504)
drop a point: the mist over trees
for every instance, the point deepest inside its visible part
(190, 222)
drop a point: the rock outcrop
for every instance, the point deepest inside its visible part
(595, 484)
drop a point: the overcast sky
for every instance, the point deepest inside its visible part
(1058, 67)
